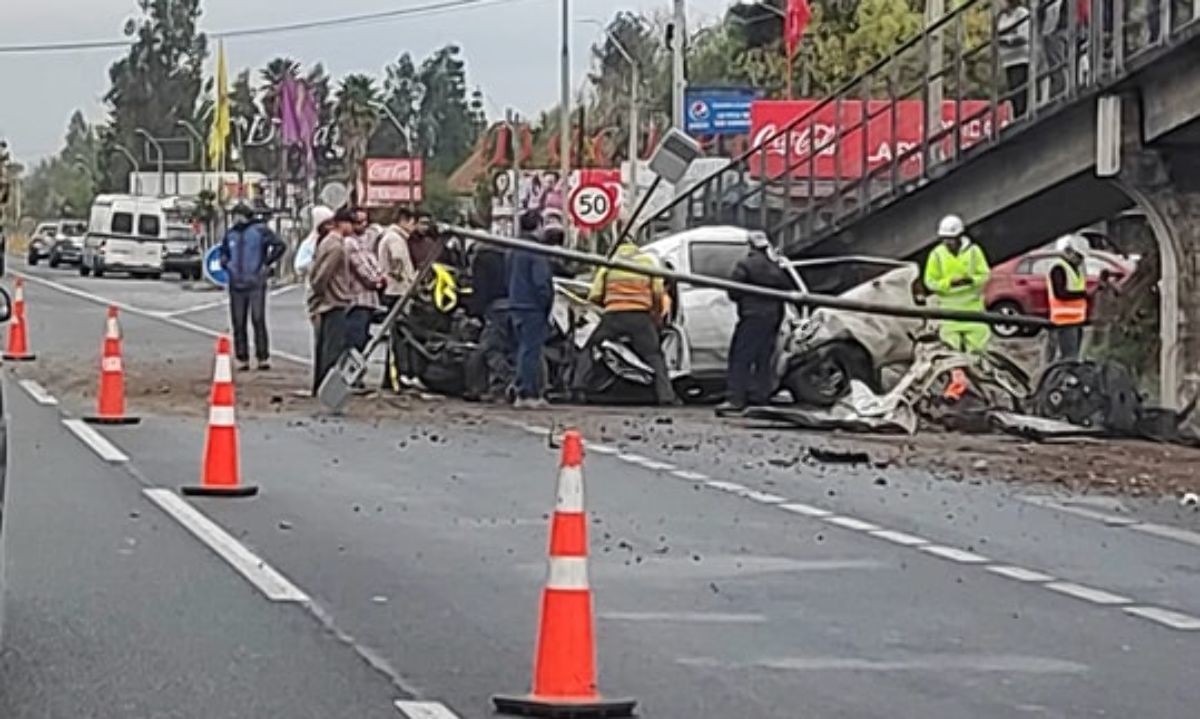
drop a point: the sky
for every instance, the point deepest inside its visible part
(512, 50)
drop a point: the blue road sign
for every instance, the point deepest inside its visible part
(719, 110)
(213, 271)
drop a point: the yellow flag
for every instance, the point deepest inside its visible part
(218, 135)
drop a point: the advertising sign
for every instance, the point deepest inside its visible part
(718, 110)
(892, 130)
(390, 181)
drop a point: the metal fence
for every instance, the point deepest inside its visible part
(860, 148)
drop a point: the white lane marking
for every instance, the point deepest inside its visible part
(851, 523)
(764, 497)
(125, 307)
(634, 458)
(1019, 573)
(904, 540)
(954, 555)
(731, 487)
(686, 617)
(602, 448)
(805, 509)
(690, 476)
(1088, 594)
(1167, 532)
(222, 303)
(940, 664)
(655, 466)
(96, 441)
(425, 710)
(1166, 617)
(536, 430)
(271, 583)
(1113, 520)
(39, 393)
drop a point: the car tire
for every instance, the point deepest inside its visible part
(32, 259)
(98, 269)
(1011, 308)
(154, 276)
(55, 261)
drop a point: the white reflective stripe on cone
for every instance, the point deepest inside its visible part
(570, 490)
(110, 364)
(567, 573)
(224, 369)
(221, 417)
(112, 332)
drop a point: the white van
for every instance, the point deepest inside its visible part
(125, 234)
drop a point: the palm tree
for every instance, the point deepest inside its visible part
(356, 118)
(272, 77)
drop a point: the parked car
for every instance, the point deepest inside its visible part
(182, 252)
(125, 234)
(1018, 286)
(58, 241)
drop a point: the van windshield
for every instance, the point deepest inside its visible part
(74, 229)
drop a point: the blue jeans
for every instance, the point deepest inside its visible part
(530, 327)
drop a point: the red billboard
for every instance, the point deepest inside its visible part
(892, 129)
(388, 181)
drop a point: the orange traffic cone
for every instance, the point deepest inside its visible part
(564, 666)
(110, 400)
(220, 474)
(18, 341)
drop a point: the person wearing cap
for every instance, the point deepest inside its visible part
(1066, 287)
(332, 290)
(248, 252)
(956, 273)
(321, 221)
(750, 379)
(634, 308)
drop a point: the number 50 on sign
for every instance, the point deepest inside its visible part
(593, 206)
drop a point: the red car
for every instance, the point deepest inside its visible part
(1019, 285)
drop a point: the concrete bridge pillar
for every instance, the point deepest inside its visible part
(1165, 183)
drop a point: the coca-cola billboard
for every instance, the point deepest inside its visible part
(893, 129)
(388, 181)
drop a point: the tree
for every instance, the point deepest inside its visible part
(157, 83)
(65, 185)
(356, 119)
(272, 77)
(403, 93)
(449, 120)
(328, 162)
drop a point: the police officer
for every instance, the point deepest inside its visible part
(750, 379)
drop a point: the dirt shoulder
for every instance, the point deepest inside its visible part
(1108, 467)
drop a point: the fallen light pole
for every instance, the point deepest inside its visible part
(801, 299)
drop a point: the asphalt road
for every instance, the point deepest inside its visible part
(726, 585)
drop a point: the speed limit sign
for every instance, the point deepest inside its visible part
(593, 206)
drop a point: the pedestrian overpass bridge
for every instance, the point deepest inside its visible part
(1114, 125)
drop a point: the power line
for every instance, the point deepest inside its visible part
(429, 8)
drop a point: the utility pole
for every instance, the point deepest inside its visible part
(678, 93)
(511, 119)
(158, 150)
(565, 114)
(199, 138)
(137, 169)
(935, 10)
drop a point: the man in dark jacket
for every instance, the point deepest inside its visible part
(489, 368)
(248, 252)
(750, 377)
(530, 298)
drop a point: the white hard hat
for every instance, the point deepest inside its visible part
(1072, 242)
(759, 240)
(320, 215)
(951, 226)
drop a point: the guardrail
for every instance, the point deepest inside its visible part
(876, 140)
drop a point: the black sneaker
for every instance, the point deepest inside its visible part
(264, 365)
(243, 366)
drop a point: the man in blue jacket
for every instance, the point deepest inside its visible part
(530, 298)
(248, 252)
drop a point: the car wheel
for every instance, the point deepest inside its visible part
(32, 259)
(1010, 309)
(98, 269)
(55, 261)
(823, 377)
(155, 275)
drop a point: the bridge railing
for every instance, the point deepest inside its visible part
(943, 96)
